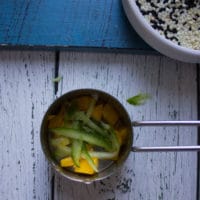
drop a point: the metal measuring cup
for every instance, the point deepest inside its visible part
(109, 167)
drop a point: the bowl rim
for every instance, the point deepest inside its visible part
(155, 39)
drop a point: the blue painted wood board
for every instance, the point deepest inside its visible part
(67, 23)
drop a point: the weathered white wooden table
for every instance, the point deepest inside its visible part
(26, 91)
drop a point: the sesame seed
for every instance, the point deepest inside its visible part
(176, 20)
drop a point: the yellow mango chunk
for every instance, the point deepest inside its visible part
(121, 135)
(85, 168)
(83, 102)
(109, 114)
(49, 117)
(97, 112)
(56, 120)
(66, 162)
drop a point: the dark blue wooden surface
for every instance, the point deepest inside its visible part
(67, 23)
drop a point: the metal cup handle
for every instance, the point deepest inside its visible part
(167, 148)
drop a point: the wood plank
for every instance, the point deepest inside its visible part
(67, 24)
(25, 93)
(173, 87)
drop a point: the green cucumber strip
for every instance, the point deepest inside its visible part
(115, 142)
(76, 151)
(88, 122)
(105, 126)
(66, 151)
(95, 154)
(113, 137)
(63, 141)
(87, 156)
(92, 138)
(103, 155)
(71, 110)
(61, 152)
(91, 108)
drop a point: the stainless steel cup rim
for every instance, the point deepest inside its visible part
(113, 167)
(124, 150)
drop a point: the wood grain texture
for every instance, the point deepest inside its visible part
(173, 88)
(63, 24)
(25, 93)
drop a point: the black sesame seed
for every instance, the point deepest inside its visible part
(174, 38)
(154, 13)
(166, 34)
(161, 10)
(180, 7)
(157, 27)
(138, 4)
(160, 21)
(174, 30)
(197, 15)
(145, 12)
(153, 5)
(175, 21)
(184, 23)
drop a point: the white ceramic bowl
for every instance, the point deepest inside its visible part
(153, 37)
